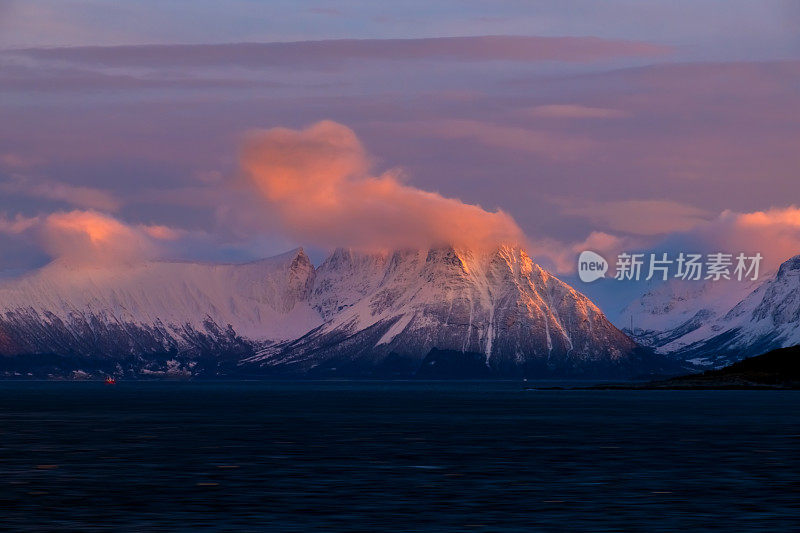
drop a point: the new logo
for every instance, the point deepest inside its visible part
(591, 266)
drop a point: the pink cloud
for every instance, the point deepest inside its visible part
(16, 161)
(89, 237)
(161, 232)
(16, 225)
(561, 256)
(574, 111)
(318, 180)
(550, 144)
(775, 233)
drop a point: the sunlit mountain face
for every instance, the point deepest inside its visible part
(492, 313)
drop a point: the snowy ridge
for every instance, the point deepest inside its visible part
(354, 313)
(497, 303)
(264, 301)
(671, 304)
(715, 323)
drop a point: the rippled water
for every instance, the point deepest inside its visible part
(395, 456)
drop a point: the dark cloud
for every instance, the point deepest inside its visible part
(44, 79)
(322, 53)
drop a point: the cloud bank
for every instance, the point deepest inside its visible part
(318, 181)
(775, 233)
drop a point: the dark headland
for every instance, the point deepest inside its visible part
(778, 369)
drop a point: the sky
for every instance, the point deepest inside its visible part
(161, 129)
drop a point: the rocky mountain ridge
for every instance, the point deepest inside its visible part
(357, 314)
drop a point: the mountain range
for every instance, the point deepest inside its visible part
(441, 312)
(713, 324)
(438, 312)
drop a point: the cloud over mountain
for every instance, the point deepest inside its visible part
(318, 181)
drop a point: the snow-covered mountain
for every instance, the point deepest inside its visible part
(391, 311)
(436, 312)
(154, 312)
(716, 323)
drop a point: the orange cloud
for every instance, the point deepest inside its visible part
(775, 233)
(89, 237)
(788, 217)
(319, 183)
(163, 233)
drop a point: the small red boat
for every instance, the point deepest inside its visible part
(111, 381)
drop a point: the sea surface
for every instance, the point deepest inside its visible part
(394, 456)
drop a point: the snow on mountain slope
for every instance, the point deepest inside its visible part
(499, 304)
(676, 302)
(717, 324)
(345, 278)
(162, 304)
(356, 312)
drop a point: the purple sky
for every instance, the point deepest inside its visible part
(630, 123)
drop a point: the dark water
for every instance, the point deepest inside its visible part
(395, 456)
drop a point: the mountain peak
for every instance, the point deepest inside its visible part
(789, 267)
(716, 323)
(492, 302)
(293, 256)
